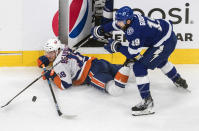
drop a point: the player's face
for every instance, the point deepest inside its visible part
(121, 24)
(51, 55)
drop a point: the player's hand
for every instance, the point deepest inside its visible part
(129, 62)
(100, 3)
(42, 60)
(97, 33)
(49, 74)
(112, 46)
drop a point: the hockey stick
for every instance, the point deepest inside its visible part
(89, 37)
(55, 100)
(27, 87)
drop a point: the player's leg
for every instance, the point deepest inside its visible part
(145, 107)
(156, 55)
(105, 82)
(122, 76)
(119, 73)
(150, 60)
(99, 80)
(113, 89)
(101, 73)
(170, 71)
(167, 67)
(104, 66)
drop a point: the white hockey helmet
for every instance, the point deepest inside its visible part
(52, 45)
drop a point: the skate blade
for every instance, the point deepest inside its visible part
(187, 90)
(141, 113)
(180, 87)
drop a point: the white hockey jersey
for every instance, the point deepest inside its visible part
(73, 68)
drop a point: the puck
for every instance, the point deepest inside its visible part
(34, 98)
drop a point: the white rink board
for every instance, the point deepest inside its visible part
(186, 15)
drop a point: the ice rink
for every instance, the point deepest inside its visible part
(176, 109)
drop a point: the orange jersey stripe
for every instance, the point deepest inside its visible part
(121, 77)
(84, 73)
(90, 75)
(97, 82)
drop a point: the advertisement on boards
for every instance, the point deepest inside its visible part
(182, 13)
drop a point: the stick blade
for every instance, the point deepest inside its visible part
(4, 105)
(68, 116)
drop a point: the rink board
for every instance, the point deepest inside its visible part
(29, 58)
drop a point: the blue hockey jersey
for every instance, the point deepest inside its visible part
(142, 32)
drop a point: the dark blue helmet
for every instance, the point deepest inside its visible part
(123, 14)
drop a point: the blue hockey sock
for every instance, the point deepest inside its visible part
(173, 75)
(144, 90)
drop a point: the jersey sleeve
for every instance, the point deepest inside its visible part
(135, 47)
(135, 44)
(110, 26)
(129, 52)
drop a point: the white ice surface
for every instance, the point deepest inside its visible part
(176, 109)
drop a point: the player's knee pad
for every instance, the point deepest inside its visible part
(121, 78)
(113, 89)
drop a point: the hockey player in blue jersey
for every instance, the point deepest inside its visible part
(141, 31)
(76, 69)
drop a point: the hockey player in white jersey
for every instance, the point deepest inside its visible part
(76, 69)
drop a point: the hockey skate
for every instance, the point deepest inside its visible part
(145, 107)
(181, 83)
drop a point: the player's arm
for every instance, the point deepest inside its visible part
(130, 51)
(99, 32)
(59, 77)
(62, 80)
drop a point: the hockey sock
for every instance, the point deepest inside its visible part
(170, 71)
(122, 76)
(144, 90)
